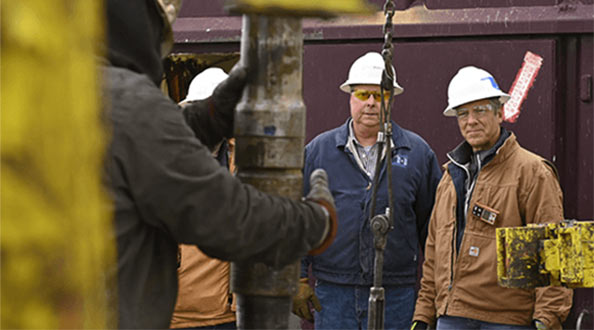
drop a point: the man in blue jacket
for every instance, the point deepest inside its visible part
(344, 272)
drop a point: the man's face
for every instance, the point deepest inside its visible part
(479, 123)
(365, 106)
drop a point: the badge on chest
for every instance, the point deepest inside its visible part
(485, 213)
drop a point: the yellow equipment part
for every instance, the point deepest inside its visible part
(548, 254)
(302, 8)
(56, 234)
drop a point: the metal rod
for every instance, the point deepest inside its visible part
(270, 134)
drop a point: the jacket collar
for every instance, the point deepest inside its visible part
(399, 140)
(462, 153)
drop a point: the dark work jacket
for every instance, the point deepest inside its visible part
(415, 175)
(168, 189)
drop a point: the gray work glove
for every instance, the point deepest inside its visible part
(211, 119)
(320, 194)
(302, 299)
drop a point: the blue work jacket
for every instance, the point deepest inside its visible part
(415, 175)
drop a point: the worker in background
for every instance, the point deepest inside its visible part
(166, 186)
(204, 299)
(344, 272)
(489, 182)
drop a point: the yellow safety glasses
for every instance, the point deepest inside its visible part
(363, 95)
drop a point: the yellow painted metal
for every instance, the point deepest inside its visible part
(302, 8)
(552, 254)
(55, 239)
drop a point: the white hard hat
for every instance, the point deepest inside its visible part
(367, 70)
(204, 84)
(472, 84)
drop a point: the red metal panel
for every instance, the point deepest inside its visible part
(448, 4)
(417, 21)
(424, 70)
(585, 127)
(557, 119)
(202, 8)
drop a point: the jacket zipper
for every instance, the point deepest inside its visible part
(453, 258)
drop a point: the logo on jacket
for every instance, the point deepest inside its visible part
(400, 160)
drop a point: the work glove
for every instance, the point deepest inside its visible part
(419, 325)
(320, 194)
(539, 325)
(305, 295)
(211, 119)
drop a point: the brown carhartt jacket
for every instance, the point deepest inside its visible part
(204, 297)
(523, 189)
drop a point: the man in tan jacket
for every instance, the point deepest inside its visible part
(204, 300)
(489, 182)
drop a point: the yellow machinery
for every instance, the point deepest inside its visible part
(56, 242)
(548, 254)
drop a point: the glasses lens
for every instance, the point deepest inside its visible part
(477, 111)
(363, 95)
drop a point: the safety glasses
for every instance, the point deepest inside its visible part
(363, 95)
(478, 111)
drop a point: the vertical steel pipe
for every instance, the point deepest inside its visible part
(270, 133)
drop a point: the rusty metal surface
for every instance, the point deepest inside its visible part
(518, 257)
(553, 254)
(416, 21)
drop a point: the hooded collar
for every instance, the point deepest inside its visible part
(134, 33)
(463, 152)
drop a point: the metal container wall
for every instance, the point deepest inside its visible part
(433, 39)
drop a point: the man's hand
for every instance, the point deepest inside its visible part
(320, 193)
(211, 119)
(305, 295)
(226, 96)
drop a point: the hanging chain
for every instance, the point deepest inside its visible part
(387, 85)
(388, 48)
(381, 224)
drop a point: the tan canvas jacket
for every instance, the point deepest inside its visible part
(203, 297)
(520, 186)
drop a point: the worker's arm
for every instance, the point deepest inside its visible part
(426, 196)
(176, 186)
(543, 202)
(425, 306)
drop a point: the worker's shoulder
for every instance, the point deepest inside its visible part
(414, 140)
(334, 136)
(532, 163)
(134, 93)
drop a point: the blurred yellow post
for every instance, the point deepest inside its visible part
(57, 249)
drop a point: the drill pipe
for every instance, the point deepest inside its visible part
(270, 133)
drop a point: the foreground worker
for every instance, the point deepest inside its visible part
(167, 187)
(204, 299)
(490, 182)
(344, 272)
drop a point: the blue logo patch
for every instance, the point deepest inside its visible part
(400, 160)
(493, 83)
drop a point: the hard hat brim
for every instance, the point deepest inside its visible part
(451, 112)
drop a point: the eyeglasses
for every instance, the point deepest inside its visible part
(363, 95)
(478, 111)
